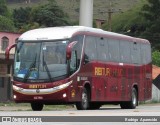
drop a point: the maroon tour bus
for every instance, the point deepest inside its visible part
(79, 65)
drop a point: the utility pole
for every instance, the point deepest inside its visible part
(109, 16)
(110, 11)
(86, 13)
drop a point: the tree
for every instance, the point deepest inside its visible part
(49, 15)
(151, 11)
(6, 24)
(129, 22)
(3, 9)
(46, 15)
(28, 27)
(142, 21)
(21, 16)
(156, 58)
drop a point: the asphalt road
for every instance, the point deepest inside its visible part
(106, 115)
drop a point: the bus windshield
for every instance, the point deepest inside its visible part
(40, 61)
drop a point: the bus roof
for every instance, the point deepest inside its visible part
(65, 32)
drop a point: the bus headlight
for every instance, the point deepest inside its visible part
(16, 88)
(64, 95)
(14, 96)
(62, 86)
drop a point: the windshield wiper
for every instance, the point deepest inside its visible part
(33, 64)
(46, 67)
(48, 72)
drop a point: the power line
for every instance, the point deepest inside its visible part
(110, 11)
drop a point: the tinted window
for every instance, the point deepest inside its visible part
(135, 53)
(148, 53)
(125, 53)
(78, 47)
(4, 43)
(114, 50)
(145, 53)
(90, 48)
(102, 49)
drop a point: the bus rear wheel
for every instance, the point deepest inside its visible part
(36, 106)
(133, 103)
(84, 103)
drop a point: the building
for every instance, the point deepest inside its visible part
(156, 83)
(99, 22)
(6, 39)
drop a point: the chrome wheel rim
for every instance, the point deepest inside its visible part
(134, 99)
(84, 100)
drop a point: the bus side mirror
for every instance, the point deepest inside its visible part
(7, 52)
(69, 49)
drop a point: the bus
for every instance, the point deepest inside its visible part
(79, 65)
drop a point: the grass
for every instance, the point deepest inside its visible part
(57, 107)
(27, 107)
(14, 104)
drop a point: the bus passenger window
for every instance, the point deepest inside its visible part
(78, 48)
(114, 50)
(90, 48)
(73, 62)
(135, 53)
(145, 53)
(102, 49)
(125, 52)
(148, 53)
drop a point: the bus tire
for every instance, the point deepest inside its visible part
(94, 106)
(37, 106)
(134, 100)
(84, 103)
(131, 104)
(124, 105)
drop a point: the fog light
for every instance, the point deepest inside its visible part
(14, 96)
(64, 95)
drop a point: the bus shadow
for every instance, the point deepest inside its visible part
(109, 108)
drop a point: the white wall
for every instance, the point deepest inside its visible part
(155, 94)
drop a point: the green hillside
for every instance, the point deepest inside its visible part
(72, 6)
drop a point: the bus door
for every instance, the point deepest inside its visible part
(126, 81)
(101, 69)
(148, 76)
(136, 64)
(112, 82)
(99, 81)
(126, 70)
(90, 61)
(112, 68)
(146, 71)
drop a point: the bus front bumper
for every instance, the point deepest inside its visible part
(55, 94)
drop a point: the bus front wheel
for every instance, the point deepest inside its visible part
(84, 103)
(36, 106)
